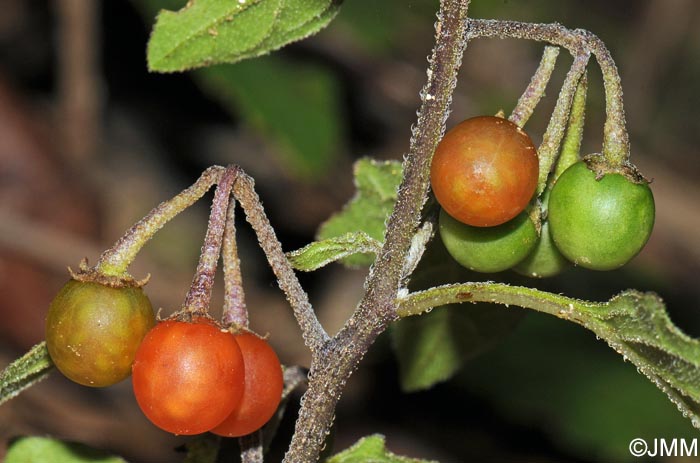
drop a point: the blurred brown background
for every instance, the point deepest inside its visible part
(90, 142)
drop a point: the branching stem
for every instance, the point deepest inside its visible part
(313, 333)
(535, 90)
(199, 295)
(616, 148)
(116, 260)
(331, 367)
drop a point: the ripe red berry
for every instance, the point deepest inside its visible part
(188, 377)
(263, 388)
(484, 171)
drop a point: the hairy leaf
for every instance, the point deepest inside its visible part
(371, 449)
(24, 372)
(635, 324)
(376, 183)
(320, 253)
(44, 450)
(207, 32)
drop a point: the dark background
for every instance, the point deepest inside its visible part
(90, 141)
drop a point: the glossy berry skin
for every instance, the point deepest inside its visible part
(188, 377)
(545, 260)
(484, 171)
(262, 392)
(488, 249)
(93, 331)
(599, 224)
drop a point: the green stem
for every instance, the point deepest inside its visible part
(535, 90)
(571, 146)
(116, 260)
(616, 144)
(551, 140)
(554, 304)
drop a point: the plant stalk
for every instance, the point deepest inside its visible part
(331, 367)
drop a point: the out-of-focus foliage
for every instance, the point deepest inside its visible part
(551, 375)
(294, 104)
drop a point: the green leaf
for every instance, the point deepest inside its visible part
(295, 106)
(320, 253)
(635, 324)
(377, 183)
(297, 20)
(44, 449)
(371, 449)
(433, 347)
(24, 372)
(207, 32)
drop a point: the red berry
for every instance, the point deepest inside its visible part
(188, 377)
(263, 388)
(484, 171)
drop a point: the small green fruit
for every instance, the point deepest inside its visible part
(488, 249)
(600, 224)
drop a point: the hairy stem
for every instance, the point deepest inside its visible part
(313, 333)
(535, 90)
(616, 147)
(331, 368)
(251, 447)
(234, 298)
(116, 260)
(616, 143)
(199, 295)
(529, 298)
(571, 146)
(551, 141)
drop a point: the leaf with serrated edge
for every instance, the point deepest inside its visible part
(208, 32)
(371, 449)
(320, 253)
(45, 449)
(24, 372)
(376, 183)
